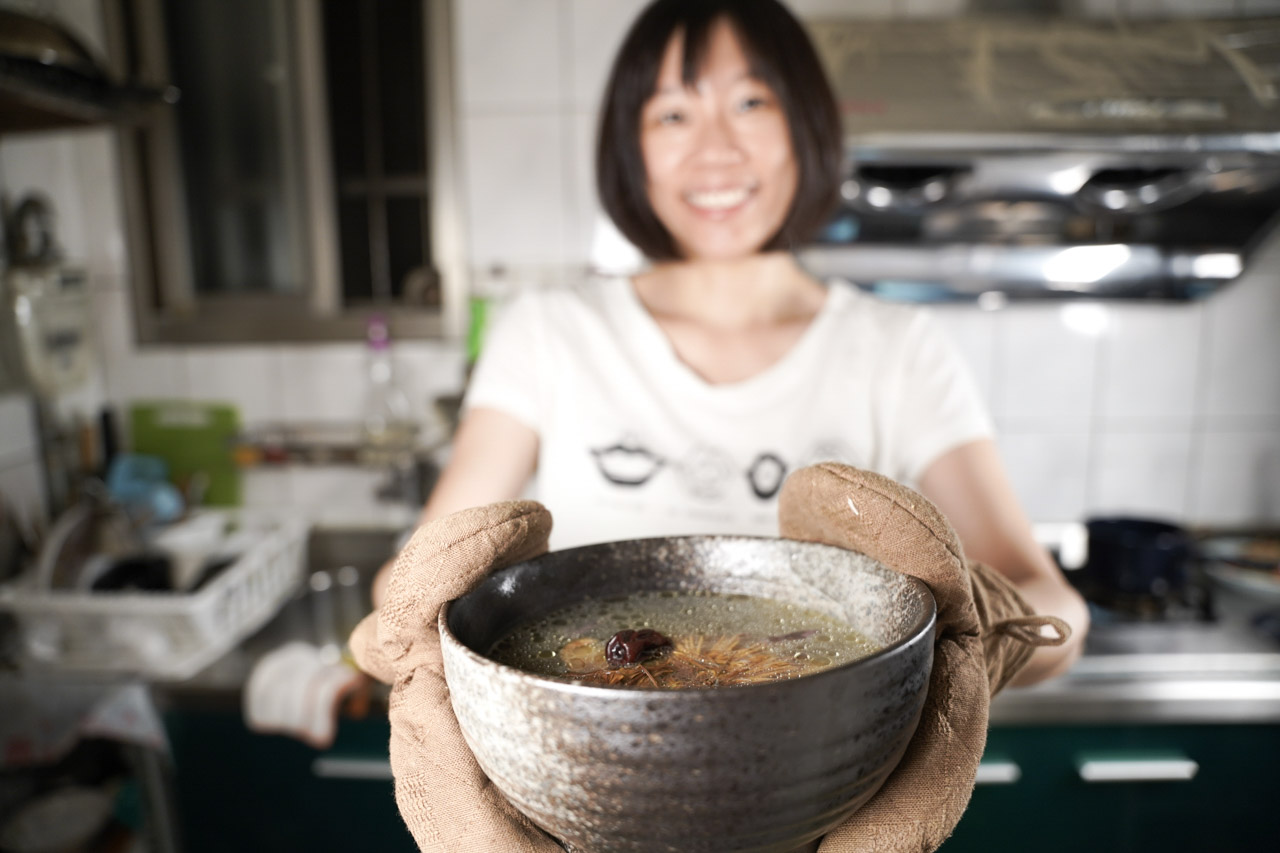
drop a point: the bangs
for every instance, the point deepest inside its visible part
(697, 29)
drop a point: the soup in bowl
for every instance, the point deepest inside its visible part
(702, 693)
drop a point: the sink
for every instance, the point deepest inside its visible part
(364, 548)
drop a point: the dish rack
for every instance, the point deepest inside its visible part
(164, 636)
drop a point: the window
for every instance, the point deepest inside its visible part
(300, 179)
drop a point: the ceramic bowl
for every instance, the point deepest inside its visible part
(763, 767)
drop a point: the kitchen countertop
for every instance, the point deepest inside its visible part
(1201, 672)
(1219, 672)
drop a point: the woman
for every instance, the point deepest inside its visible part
(676, 401)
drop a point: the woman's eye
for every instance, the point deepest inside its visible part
(753, 102)
(671, 117)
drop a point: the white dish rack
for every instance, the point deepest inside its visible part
(165, 636)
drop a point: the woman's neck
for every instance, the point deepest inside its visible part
(763, 290)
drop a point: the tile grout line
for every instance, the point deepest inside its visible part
(1092, 452)
(1199, 416)
(565, 113)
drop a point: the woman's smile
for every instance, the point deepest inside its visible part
(719, 202)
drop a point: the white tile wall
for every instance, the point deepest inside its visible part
(1049, 471)
(23, 490)
(516, 188)
(1162, 409)
(1149, 365)
(17, 429)
(1243, 348)
(250, 377)
(21, 486)
(1044, 370)
(1144, 474)
(1237, 477)
(510, 54)
(595, 32)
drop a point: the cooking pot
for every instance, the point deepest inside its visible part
(1136, 559)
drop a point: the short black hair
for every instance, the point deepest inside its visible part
(780, 54)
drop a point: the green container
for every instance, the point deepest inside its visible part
(192, 437)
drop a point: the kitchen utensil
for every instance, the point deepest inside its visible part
(764, 767)
(193, 438)
(1247, 566)
(1135, 560)
(91, 532)
(136, 573)
(140, 483)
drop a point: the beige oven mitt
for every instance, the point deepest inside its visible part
(445, 799)
(985, 634)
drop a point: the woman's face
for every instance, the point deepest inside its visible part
(718, 158)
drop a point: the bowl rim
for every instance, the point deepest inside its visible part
(923, 627)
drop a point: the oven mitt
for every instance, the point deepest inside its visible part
(445, 799)
(985, 634)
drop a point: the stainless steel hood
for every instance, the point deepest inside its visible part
(1049, 157)
(50, 80)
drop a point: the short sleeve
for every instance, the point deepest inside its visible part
(507, 374)
(940, 405)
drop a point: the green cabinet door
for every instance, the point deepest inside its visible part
(1127, 789)
(250, 793)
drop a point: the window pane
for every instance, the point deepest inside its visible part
(344, 77)
(400, 86)
(236, 126)
(353, 235)
(406, 240)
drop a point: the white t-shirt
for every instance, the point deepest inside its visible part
(633, 443)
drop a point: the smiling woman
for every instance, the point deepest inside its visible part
(679, 400)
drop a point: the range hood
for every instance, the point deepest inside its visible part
(1043, 157)
(50, 80)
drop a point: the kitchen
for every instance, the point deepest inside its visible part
(1152, 408)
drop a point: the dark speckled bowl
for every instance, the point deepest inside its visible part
(766, 767)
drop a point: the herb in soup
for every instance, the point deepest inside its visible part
(667, 639)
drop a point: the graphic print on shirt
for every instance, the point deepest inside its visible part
(705, 472)
(766, 475)
(627, 463)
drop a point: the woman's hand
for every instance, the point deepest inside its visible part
(986, 633)
(445, 799)
(969, 485)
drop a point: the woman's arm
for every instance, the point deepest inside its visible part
(493, 457)
(971, 488)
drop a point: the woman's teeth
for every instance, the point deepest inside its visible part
(718, 199)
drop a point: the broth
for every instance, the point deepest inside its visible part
(703, 640)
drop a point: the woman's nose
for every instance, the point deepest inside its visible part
(718, 142)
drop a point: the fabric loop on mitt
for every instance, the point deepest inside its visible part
(1027, 629)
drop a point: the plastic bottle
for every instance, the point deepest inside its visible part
(389, 431)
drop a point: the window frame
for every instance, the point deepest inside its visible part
(166, 308)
